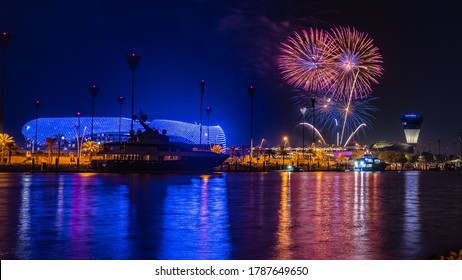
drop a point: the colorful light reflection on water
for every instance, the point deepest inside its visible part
(352, 215)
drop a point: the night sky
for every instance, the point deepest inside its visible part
(61, 47)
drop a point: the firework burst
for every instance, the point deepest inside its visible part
(330, 113)
(357, 63)
(338, 68)
(306, 61)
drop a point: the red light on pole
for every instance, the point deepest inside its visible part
(132, 62)
(200, 121)
(251, 93)
(121, 100)
(4, 41)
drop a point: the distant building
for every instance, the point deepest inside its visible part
(411, 124)
(106, 129)
(383, 146)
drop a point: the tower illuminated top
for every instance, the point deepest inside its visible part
(411, 124)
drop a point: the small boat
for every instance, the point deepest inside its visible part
(153, 151)
(369, 163)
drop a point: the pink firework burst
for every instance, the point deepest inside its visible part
(307, 60)
(357, 63)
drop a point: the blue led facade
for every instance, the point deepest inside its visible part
(106, 129)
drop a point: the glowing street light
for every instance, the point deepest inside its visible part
(283, 150)
(4, 41)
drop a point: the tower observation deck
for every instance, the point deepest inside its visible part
(411, 124)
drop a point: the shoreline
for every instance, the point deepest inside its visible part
(22, 168)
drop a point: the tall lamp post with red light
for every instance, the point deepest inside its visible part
(93, 91)
(200, 121)
(4, 41)
(133, 60)
(121, 100)
(303, 111)
(313, 101)
(78, 139)
(460, 140)
(251, 93)
(37, 107)
(208, 110)
(283, 150)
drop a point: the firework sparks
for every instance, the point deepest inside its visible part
(338, 68)
(357, 63)
(331, 113)
(307, 62)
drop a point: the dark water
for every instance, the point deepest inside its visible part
(388, 215)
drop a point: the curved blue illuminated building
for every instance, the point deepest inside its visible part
(106, 129)
(411, 124)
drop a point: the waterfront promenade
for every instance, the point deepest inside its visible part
(66, 163)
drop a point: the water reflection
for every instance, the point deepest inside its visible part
(196, 223)
(81, 221)
(366, 230)
(23, 247)
(312, 215)
(337, 217)
(412, 232)
(283, 237)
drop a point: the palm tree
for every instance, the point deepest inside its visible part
(49, 145)
(218, 149)
(283, 151)
(342, 159)
(232, 151)
(257, 151)
(11, 147)
(60, 140)
(5, 141)
(270, 153)
(243, 149)
(91, 147)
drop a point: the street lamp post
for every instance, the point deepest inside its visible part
(439, 146)
(208, 110)
(121, 100)
(460, 140)
(37, 106)
(133, 60)
(4, 41)
(200, 120)
(251, 93)
(78, 139)
(284, 151)
(93, 91)
(313, 101)
(303, 111)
